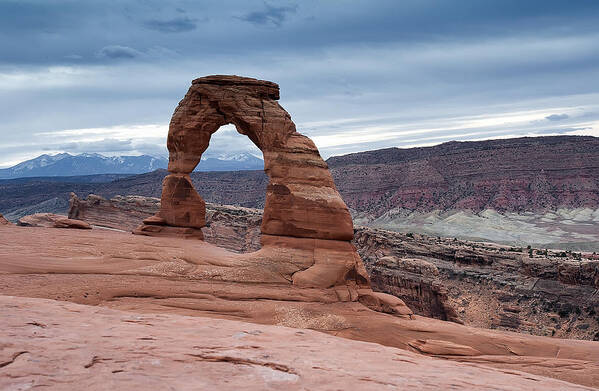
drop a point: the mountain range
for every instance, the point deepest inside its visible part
(65, 164)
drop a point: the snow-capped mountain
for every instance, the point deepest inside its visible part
(65, 164)
(230, 162)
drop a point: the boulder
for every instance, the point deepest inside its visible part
(3, 220)
(50, 220)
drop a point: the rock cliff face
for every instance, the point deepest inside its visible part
(511, 175)
(541, 191)
(533, 291)
(485, 285)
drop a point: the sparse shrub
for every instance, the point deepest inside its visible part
(564, 312)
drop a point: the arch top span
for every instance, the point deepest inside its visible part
(267, 88)
(301, 198)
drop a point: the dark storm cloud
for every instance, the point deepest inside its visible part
(269, 15)
(557, 117)
(175, 25)
(45, 32)
(117, 51)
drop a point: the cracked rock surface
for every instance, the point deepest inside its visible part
(59, 345)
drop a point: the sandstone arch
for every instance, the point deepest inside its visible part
(301, 198)
(306, 226)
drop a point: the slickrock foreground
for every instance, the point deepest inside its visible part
(191, 277)
(62, 345)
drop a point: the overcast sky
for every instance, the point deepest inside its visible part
(105, 76)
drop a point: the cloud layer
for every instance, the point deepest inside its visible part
(83, 76)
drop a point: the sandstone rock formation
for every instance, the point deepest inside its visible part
(3, 221)
(47, 343)
(51, 220)
(191, 277)
(303, 211)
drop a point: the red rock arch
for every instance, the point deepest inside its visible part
(301, 198)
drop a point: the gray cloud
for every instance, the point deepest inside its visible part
(105, 145)
(118, 52)
(561, 130)
(390, 69)
(176, 25)
(270, 15)
(557, 117)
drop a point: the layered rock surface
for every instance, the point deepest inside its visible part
(486, 285)
(48, 344)
(471, 190)
(513, 175)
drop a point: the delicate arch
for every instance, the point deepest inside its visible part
(301, 197)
